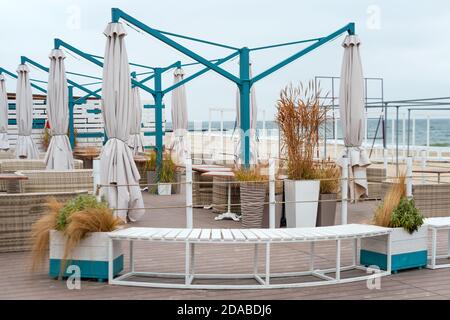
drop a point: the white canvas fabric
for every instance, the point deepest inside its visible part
(25, 147)
(180, 146)
(118, 170)
(351, 107)
(59, 153)
(253, 123)
(135, 142)
(4, 143)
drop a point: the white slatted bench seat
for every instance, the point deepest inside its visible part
(255, 237)
(435, 224)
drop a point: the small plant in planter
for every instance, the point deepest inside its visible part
(253, 191)
(408, 238)
(166, 176)
(75, 233)
(329, 176)
(300, 115)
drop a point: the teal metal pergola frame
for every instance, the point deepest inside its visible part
(243, 81)
(157, 92)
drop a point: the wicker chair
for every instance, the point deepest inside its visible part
(56, 180)
(13, 165)
(432, 200)
(375, 177)
(18, 212)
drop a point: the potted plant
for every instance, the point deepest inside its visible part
(166, 177)
(75, 233)
(150, 169)
(299, 117)
(408, 237)
(253, 191)
(328, 174)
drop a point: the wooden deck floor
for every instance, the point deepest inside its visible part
(16, 282)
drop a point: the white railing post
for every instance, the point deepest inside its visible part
(272, 193)
(344, 190)
(96, 178)
(385, 160)
(409, 178)
(189, 217)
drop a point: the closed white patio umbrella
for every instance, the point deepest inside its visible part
(25, 147)
(4, 143)
(135, 141)
(180, 147)
(119, 175)
(253, 123)
(351, 107)
(59, 153)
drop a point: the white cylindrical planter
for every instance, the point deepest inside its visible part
(302, 198)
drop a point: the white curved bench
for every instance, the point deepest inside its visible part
(256, 237)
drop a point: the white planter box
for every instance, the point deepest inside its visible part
(301, 214)
(91, 255)
(407, 250)
(164, 189)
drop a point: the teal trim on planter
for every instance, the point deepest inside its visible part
(12, 106)
(89, 269)
(401, 261)
(12, 122)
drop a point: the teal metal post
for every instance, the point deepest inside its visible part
(244, 89)
(158, 96)
(71, 120)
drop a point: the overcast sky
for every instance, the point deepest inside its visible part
(404, 42)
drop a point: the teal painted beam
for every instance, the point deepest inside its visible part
(199, 73)
(118, 14)
(349, 28)
(244, 90)
(71, 118)
(60, 43)
(158, 97)
(2, 70)
(25, 60)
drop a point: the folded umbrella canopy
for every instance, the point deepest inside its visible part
(25, 147)
(179, 146)
(135, 141)
(253, 123)
(4, 143)
(351, 107)
(59, 153)
(119, 175)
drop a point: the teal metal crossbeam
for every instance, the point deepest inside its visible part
(348, 28)
(25, 60)
(118, 14)
(2, 70)
(60, 43)
(244, 82)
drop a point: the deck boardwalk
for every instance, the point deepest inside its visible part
(17, 282)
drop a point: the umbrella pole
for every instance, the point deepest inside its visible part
(344, 188)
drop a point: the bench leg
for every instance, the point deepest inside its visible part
(255, 260)
(355, 252)
(338, 260)
(311, 258)
(267, 264)
(131, 256)
(192, 259)
(433, 247)
(448, 243)
(187, 263)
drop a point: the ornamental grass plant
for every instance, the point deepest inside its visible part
(300, 114)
